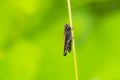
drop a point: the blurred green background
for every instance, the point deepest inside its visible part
(32, 40)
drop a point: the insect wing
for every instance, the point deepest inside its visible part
(65, 41)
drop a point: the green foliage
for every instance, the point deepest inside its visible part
(32, 40)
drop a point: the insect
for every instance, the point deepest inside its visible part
(67, 39)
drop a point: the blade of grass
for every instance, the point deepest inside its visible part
(73, 42)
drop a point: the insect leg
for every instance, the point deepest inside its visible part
(69, 44)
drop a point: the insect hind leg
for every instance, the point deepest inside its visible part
(69, 43)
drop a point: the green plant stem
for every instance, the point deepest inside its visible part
(73, 42)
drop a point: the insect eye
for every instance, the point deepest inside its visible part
(65, 25)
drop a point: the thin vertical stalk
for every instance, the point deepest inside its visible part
(73, 42)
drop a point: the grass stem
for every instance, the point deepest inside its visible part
(73, 42)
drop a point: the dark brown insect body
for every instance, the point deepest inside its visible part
(67, 39)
